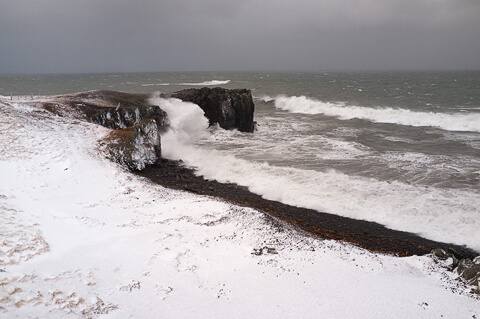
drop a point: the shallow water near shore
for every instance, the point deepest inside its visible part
(401, 149)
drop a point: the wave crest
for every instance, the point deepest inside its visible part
(207, 83)
(368, 199)
(155, 84)
(447, 121)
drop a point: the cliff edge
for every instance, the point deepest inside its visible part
(137, 125)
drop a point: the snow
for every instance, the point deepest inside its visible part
(82, 237)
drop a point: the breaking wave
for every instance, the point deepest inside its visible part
(155, 84)
(429, 211)
(207, 83)
(187, 122)
(469, 122)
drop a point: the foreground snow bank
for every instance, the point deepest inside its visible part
(83, 238)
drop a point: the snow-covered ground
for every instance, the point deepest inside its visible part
(82, 237)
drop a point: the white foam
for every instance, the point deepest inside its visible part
(447, 121)
(444, 215)
(154, 84)
(437, 214)
(264, 98)
(187, 121)
(207, 83)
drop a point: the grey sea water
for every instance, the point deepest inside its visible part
(399, 148)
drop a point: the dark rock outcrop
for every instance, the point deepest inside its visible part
(135, 141)
(231, 109)
(446, 258)
(465, 269)
(136, 146)
(116, 110)
(470, 271)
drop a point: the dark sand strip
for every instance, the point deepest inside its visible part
(369, 235)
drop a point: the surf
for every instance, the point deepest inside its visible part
(207, 83)
(430, 212)
(469, 122)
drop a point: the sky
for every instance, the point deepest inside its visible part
(67, 36)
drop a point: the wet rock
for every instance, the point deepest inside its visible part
(116, 110)
(137, 125)
(123, 116)
(465, 270)
(446, 258)
(137, 146)
(469, 271)
(135, 141)
(231, 109)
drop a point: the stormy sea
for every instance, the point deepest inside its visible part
(398, 148)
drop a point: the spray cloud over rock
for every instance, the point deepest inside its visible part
(138, 121)
(231, 109)
(187, 121)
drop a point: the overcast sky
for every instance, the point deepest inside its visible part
(57, 36)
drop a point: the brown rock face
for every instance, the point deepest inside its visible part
(231, 109)
(116, 110)
(136, 146)
(135, 140)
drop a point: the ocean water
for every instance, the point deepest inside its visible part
(398, 148)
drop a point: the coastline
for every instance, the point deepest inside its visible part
(84, 237)
(369, 235)
(174, 174)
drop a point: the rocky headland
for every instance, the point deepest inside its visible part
(137, 125)
(135, 142)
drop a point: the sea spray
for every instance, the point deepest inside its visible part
(187, 120)
(419, 178)
(429, 211)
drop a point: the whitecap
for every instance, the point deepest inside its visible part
(154, 84)
(429, 211)
(447, 121)
(207, 83)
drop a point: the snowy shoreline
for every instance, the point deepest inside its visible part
(82, 237)
(369, 235)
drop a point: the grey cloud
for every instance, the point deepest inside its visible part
(147, 35)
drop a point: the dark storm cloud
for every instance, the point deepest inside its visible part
(181, 35)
